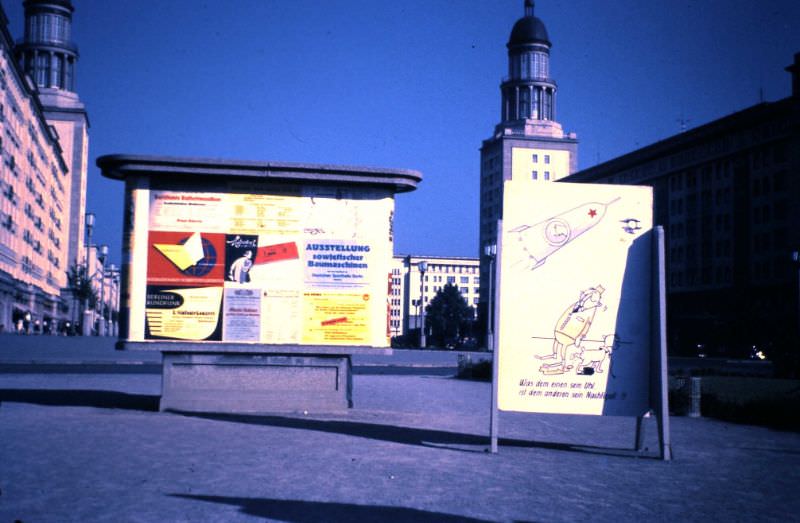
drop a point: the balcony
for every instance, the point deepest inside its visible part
(549, 82)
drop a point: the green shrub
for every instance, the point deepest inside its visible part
(778, 413)
(469, 370)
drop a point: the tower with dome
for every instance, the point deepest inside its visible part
(529, 141)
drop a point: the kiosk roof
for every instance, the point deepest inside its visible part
(121, 166)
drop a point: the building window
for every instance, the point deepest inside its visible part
(540, 65)
(546, 158)
(524, 103)
(535, 158)
(547, 175)
(548, 105)
(58, 67)
(535, 175)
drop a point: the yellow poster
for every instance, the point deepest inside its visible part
(273, 215)
(183, 313)
(336, 319)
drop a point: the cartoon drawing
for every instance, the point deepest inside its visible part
(592, 359)
(240, 268)
(631, 225)
(571, 329)
(542, 239)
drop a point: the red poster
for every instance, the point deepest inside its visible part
(186, 258)
(278, 252)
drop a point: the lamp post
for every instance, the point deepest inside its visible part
(101, 326)
(422, 266)
(490, 251)
(89, 222)
(87, 315)
(113, 296)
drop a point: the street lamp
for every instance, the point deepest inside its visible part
(422, 266)
(87, 316)
(101, 326)
(490, 251)
(89, 221)
(113, 296)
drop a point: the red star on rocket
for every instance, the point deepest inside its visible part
(592, 213)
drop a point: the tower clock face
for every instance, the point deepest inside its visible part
(556, 232)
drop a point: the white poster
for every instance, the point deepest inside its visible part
(575, 308)
(242, 314)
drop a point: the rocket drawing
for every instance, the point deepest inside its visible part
(541, 240)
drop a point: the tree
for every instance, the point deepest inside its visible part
(448, 316)
(81, 286)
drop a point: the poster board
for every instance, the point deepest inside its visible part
(299, 265)
(574, 299)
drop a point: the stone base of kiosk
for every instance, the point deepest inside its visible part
(255, 384)
(252, 379)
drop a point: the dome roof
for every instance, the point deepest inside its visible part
(66, 4)
(529, 30)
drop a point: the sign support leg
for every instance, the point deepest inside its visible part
(494, 414)
(639, 443)
(659, 379)
(493, 323)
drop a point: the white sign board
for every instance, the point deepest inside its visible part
(574, 324)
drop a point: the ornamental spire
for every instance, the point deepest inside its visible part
(529, 7)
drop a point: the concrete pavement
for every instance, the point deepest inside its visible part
(97, 354)
(92, 447)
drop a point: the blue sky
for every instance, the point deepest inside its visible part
(410, 84)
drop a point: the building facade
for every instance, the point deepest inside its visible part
(49, 57)
(47, 54)
(103, 318)
(44, 173)
(35, 233)
(728, 196)
(415, 281)
(528, 141)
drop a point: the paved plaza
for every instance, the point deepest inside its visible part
(91, 446)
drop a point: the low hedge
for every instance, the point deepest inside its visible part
(768, 402)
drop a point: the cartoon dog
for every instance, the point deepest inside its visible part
(591, 360)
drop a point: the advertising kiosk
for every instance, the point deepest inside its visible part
(256, 281)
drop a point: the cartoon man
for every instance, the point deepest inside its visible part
(240, 268)
(571, 328)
